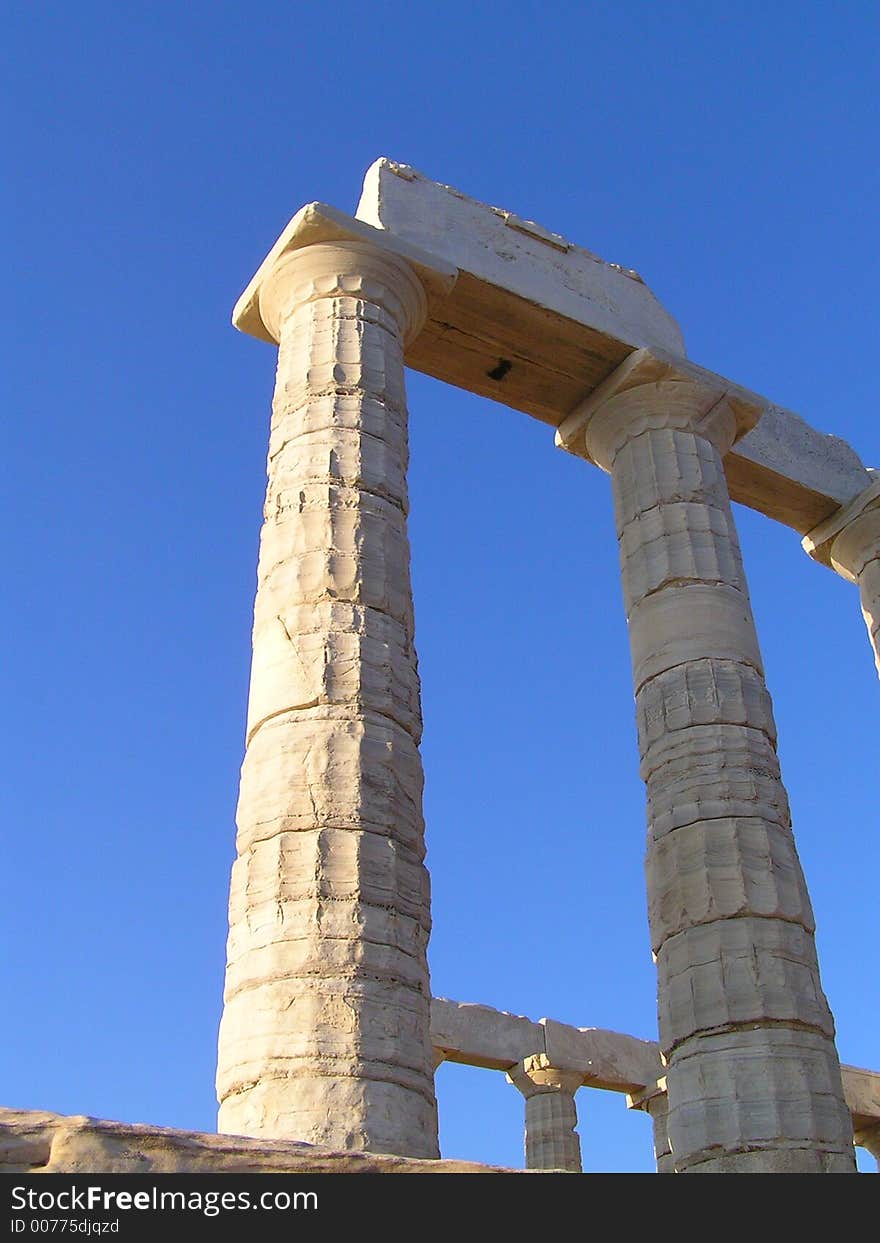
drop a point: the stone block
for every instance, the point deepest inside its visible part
(324, 768)
(673, 544)
(333, 864)
(669, 465)
(744, 1096)
(694, 622)
(722, 869)
(703, 692)
(710, 772)
(735, 972)
(333, 653)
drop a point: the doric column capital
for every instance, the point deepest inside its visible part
(869, 1139)
(535, 1074)
(346, 258)
(676, 405)
(857, 544)
(649, 1098)
(347, 269)
(653, 390)
(850, 538)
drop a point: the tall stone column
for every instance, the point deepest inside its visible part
(850, 543)
(325, 1035)
(551, 1141)
(753, 1077)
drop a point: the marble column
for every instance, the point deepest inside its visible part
(325, 1031)
(747, 1036)
(551, 1141)
(849, 541)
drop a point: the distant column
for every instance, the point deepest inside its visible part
(551, 1140)
(325, 1030)
(753, 1077)
(849, 541)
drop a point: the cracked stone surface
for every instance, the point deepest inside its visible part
(325, 1031)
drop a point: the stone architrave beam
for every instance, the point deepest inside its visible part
(861, 1089)
(537, 323)
(478, 1035)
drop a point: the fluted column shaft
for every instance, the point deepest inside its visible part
(551, 1141)
(753, 1077)
(325, 1034)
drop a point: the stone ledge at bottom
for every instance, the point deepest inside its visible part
(34, 1142)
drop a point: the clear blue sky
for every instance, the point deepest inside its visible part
(728, 151)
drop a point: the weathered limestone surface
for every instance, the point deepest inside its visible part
(551, 1138)
(500, 250)
(325, 1030)
(752, 1072)
(850, 543)
(33, 1142)
(791, 472)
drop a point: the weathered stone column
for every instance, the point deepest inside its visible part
(753, 1077)
(654, 1101)
(325, 1032)
(551, 1141)
(849, 541)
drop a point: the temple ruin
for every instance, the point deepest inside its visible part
(330, 1036)
(326, 1033)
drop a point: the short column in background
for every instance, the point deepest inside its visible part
(551, 1140)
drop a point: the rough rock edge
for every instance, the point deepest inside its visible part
(36, 1142)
